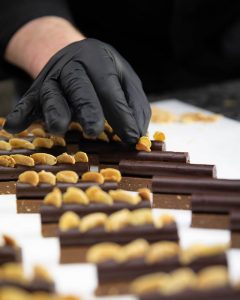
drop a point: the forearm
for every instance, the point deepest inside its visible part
(36, 42)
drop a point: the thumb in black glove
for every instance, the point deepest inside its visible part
(88, 81)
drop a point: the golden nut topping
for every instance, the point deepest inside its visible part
(96, 194)
(39, 132)
(118, 220)
(40, 273)
(65, 158)
(149, 283)
(7, 161)
(75, 195)
(92, 221)
(141, 216)
(198, 250)
(17, 143)
(47, 177)
(116, 138)
(144, 144)
(67, 176)
(213, 277)
(23, 160)
(133, 250)
(75, 126)
(5, 145)
(44, 159)
(5, 134)
(40, 142)
(81, 157)
(13, 272)
(103, 137)
(145, 194)
(161, 250)
(23, 133)
(125, 196)
(9, 241)
(58, 140)
(159, 136)
(30, 177)
(69, 220)
(102, 252)
(164, 220)
(2, 121)
(93, 177)
(53, 198)
(111, 174)
(107, 127)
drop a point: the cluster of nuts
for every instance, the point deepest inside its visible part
(114, 222)
(180, 280)
(41, 159)
(92, 194)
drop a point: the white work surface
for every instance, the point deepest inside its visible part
(211, 143)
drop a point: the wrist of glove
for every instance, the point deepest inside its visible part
(88, 81)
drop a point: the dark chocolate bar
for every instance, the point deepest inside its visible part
(191, 185)
(111, 271)
(27, 191)
(35, 285)
(10, 254)
(8, 173)
(117, 156)
(55, 150)
(125, 235)
(221, 203)
(150, 168)
(235, 220)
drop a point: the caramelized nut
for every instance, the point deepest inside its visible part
(81, 157)
(159, 136)
(65, 158)
(40, 142)
(116, 138)
(141, 216)
(7, 161)
(103, 137)
(102, 252)
(5, 145)
(30, 177)
(161, 250)
(47, 177)
(44, 159)
(40, 273)
(135, 249)
(53, 198)
(93, 177)
(75, 126)
(5, 134)
(125, 196)
(144, 144)
(145, 194)
(118, 220)
(75, 195)
(213, 277)
(111, 174)
(23, 133)
(96, 194)
(69, 220)
(58, 140)
(67, 176)
(92, 221)
(23, 160)
(39, 132)
(107, 127)
(9, 241)
(17, 143)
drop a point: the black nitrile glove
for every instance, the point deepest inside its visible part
(88, 81)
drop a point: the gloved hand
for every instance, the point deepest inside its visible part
(88, 81)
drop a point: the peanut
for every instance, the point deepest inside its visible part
(75, 126)
(44, 159)
(141, 216)
(39, 132)
(81, 157)
(30, 177)
(92, 221)
(23, 133)
(67, 176)
(7, 161)
(5, 145)
(144, 144)
(75, 195)
(102, 252)
(69, 220)
(133, 250)
(96, 194)
(40, 273)
(47, 177)
(23, 160)
(107, 127)
(40, 142)
(53, 198)
(164, 220)
(116, 138)
(17, 143)
(58, 140)
(145, 194)
(93, 177)
(65, 158)
(213, 277)
(118, 220)
(160, 251)
(5, 134)
(111, 174)
(125, 196)
(103, 137)
(159, 136)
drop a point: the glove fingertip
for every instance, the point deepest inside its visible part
(13, 125)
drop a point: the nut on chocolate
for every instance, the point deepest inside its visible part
(81, 156)
(118, 220)
(7, 161)
(125, 196)
(5, 146)
(145, 194)
(23, 160)
(30, 177)
(58, 140)
(69, 220)
(42, 142)
(17, 143)
(96, 194)
(144, 144)
(102, 252)
(44, 159)
(38, 132)
(159, 136)
(47, 177)
(92, 221)
(53, 198)
(75, 195)
(160, 251)
(93, 177)
(111, 174)
(65, 158)
(67, 176)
